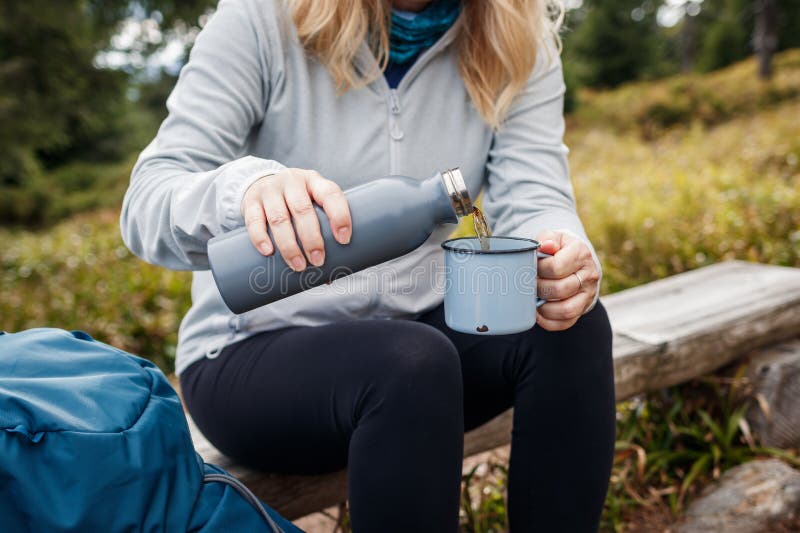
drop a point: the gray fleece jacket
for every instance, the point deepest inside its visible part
(250, 102)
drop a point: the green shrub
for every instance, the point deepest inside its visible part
(79, 275)
(69, 189)
(651, 109)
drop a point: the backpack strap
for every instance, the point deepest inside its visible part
(245, 493)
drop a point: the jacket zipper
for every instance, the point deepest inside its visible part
(395, 131)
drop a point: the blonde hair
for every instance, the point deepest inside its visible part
(497, 43)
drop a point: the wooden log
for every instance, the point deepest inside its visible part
(665, 332)
(774, 374)
(693, 323)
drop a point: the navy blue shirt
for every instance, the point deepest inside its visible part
(394, 72)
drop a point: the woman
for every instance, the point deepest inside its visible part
(287, 103)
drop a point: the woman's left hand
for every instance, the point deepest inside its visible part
(568, 280)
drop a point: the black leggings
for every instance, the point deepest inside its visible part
(391, 399)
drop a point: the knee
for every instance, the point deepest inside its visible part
(422, 365)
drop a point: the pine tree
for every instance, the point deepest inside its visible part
(616, 41)
(727, 32)
(56, 105)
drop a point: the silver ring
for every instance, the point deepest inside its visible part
(580, 281)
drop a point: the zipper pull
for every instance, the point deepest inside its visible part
(396, 132)
(395, 102)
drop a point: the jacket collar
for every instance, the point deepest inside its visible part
(365, 61)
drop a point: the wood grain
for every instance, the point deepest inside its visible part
(693, 323)
(665, 332)
(774, 374)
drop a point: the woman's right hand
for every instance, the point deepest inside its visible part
(276, 200)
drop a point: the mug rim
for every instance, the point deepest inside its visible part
(450, 248)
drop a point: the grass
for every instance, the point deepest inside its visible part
(673, 442)
(663, 186)
(692, 198)
(669, 445)
(79, 275)
(652, 109)
(483, 492)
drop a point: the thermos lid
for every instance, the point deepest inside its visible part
(457, 191)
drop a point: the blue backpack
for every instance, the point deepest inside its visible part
(95, 439)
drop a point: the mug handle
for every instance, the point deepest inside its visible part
(540, 255)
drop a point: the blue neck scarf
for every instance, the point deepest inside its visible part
(410, 36)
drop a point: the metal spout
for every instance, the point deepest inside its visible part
(457, 192)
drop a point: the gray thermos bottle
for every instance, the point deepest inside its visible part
(391, 217)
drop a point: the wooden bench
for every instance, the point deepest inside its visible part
(665, 332)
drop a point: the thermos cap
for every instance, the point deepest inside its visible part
(457, 191)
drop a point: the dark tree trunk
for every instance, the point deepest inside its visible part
(765, 35)
(687, 43)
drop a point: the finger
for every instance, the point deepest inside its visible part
(561, 289)
(279, 221)
(330, 196)
(306, 223)
(256, 223)
(567, 260)
(569, 309)
(550, 241)
(558, 289)
(589, 278)
(554, 325)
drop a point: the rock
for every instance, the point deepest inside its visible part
(775, 375)
(755, 497)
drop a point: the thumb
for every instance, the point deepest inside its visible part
(550, 241)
